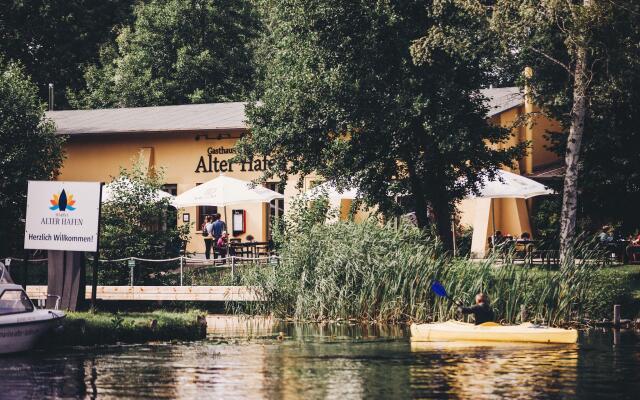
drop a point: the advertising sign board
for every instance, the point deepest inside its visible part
(62, 216)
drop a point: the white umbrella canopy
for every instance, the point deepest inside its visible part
(108, 192)
(225, 191)
(509, 185)
(332, 192)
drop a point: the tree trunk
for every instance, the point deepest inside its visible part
(443, 214)
(572, 156)
(420, 201)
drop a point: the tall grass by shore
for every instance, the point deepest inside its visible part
(367, 271)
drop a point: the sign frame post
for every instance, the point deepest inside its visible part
(96, 257)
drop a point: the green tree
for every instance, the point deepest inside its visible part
(609, 170)
(55, 39)
(383, 96)
(176, 52)
(29, 150)
(137, 223)
(584, 60)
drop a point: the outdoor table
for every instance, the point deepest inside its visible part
(250, 249)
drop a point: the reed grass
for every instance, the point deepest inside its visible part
(367, 271)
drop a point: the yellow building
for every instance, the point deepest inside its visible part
(509, 107)
(194, 143)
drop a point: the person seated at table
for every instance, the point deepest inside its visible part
(607, 242)
(250, 238)
(633, 249)
(222, 244)
(498, 238)
(481, 311)
(605, 235)
(524, 244)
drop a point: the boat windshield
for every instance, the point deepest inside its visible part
(14, 301)
(4, 274)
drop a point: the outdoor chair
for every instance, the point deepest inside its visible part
(262, 249)
(501, 249)
(524, 250)
(244, 250)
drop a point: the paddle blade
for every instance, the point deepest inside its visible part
(438, 289)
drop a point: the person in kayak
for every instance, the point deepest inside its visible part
(481, 311)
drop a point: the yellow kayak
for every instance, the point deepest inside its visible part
(454, 331)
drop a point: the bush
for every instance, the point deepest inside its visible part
(609, 287)
(136, 223)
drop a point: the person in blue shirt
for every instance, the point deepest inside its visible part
(217, 228)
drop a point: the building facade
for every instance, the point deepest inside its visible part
(193, 144)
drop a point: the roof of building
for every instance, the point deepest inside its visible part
(503, 99)
(199, 117)
(552, 171)
(189, 117)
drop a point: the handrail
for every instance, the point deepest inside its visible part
(22, 259)
(224, 262)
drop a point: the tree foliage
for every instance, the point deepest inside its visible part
(136, 223)
(383, 96)
(546, 35)
(175, 52)
(29, 150)
(55, 39)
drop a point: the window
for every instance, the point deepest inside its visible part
(170, 188)
(276, 207)
(203, 211)
(14, 301)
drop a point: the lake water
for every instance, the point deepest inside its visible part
(337, 361)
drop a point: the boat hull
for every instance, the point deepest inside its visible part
(21, 332)
(453, 331)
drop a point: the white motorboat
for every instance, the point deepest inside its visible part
(21, 324)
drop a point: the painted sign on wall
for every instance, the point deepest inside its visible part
(211, 163)
(62, 216)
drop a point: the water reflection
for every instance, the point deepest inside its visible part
(269, 359)
(495, 370)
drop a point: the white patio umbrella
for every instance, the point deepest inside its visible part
(224, 191)
(108, 192)
(507, 185)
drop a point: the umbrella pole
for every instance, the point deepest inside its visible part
(493, 218)
(226, 225)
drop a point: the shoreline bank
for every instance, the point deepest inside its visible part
(87, 328)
